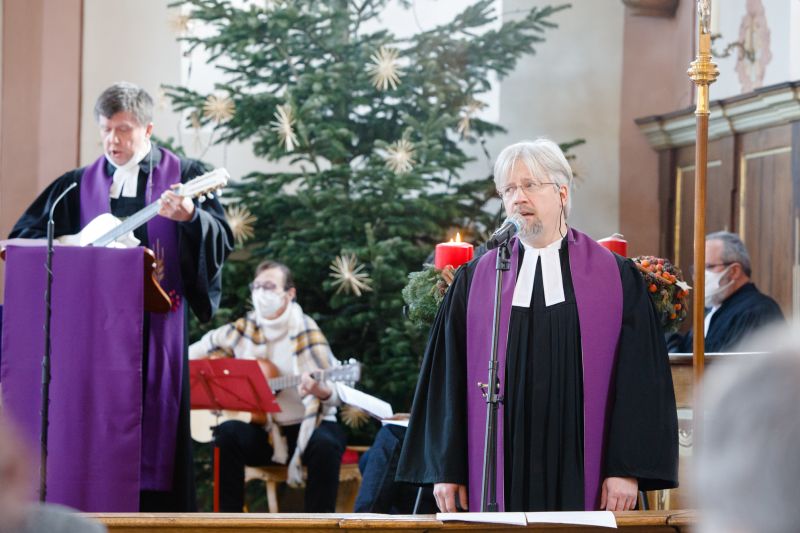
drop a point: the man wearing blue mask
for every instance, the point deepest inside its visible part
(285, 341)
(735, 308)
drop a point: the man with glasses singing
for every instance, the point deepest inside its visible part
(588, 414)
(285, 341)
(735, 308)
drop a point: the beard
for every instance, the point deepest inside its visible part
(532, 228)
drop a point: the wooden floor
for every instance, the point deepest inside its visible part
(630, 522)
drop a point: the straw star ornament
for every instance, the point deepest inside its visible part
(241, 222)
(348, 275)
(283, 125)
(384, 69)
(180, 24)
(467, 113)
(399, 157)
(219, 108)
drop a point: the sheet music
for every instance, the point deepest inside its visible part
(372, 405)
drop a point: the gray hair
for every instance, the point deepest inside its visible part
(748, 449)
(125, 96)
(542, 157)
(733, 249)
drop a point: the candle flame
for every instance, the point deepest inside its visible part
(458, 237)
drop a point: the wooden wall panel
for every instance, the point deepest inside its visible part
(765, 209)
(720, 188)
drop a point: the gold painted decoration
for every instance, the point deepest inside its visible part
(384, 69)
(349, 276)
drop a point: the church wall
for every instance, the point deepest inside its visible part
(569, 90)
(143, 50)
(657, 51)
(39, 100)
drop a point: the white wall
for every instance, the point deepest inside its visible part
(141, 49)
(569, 89)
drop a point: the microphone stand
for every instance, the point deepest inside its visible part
(47, 349)
(491, 391)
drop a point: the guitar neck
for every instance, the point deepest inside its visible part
(284, 382)
(131, 223)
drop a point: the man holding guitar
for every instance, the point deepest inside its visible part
(190, 240)
(285, 341)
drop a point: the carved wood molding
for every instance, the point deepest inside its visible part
(769, 106)
(652, 8)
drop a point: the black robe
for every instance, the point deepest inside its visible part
(740, 315)
(544, 399)
(205, 241)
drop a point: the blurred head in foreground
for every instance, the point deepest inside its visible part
(747, 463)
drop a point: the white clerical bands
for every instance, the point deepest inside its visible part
(551, 275)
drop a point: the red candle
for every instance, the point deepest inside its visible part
(454, 253)
(616, 243)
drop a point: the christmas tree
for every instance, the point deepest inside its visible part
(374, 127)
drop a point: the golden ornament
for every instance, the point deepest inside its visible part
(467, 113)
(348, 275)
(283, 126)
(241, 222)
(180, 24)
(384, 69)
(400, 157)
(219, 108)
(353, 416)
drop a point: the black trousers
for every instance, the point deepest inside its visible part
(243, 444)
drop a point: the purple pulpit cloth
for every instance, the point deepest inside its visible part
(598, 292)
(94, 432)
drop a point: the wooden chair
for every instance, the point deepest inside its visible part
(349, 483)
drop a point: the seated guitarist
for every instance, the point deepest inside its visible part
(287, 342)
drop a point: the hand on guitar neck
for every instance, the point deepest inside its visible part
(309, 384)
(175, 207)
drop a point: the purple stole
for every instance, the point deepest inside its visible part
(165, 342)
(598, 292)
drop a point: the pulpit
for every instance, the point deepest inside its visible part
(95, 422)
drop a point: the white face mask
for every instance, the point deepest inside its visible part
(715, 293)
(267, 303)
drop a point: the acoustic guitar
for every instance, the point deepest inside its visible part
(108, 230)
(203, 421)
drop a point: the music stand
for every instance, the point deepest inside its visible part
(233, 385)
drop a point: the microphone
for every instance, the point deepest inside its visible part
(48, 292)
(504, 233)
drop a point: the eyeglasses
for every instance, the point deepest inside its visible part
(267, 286)
(709, 266)
(527, 188)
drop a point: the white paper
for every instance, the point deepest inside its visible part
(583, 518)
(515, 519)
(393, 422)
(372, 405)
